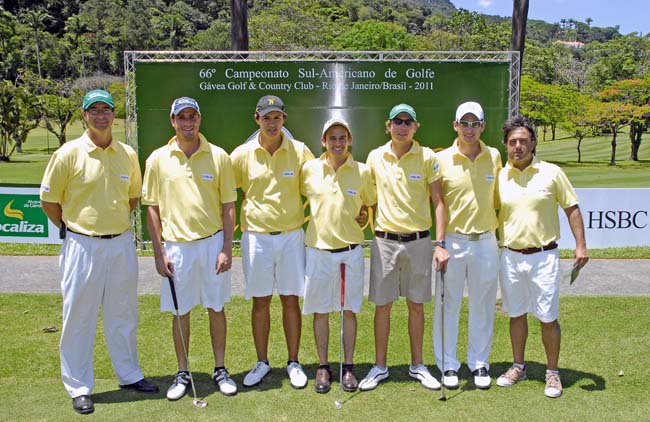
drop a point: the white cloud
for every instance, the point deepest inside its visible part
(485, 3)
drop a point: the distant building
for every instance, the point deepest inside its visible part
(573, 44)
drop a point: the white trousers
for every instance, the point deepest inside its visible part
(98, 272)
(477, 262)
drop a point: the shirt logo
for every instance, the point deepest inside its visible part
(489, 178)
(351, 192)
(207, 176)
(415, 177)
(124, 177)
(436, 166)
(288, 173)
(45, 188)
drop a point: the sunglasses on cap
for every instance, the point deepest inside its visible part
(467, 123)
(397, 121)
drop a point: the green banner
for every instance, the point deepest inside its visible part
(22, 216)
(360, 88)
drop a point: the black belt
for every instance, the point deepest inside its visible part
(346, 248)
(530, 251)
(402, 237)
(274, 233)
(99, 236)
(207, 236)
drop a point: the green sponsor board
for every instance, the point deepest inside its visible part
(22, 216)
(360, 87)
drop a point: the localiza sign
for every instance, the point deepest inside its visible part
(22, 219)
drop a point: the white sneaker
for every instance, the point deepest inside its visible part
(482, 378)
(450, 379)
(226, 385)
(297, 376)
(553, 387)
(373, 378)
(179, 386)
(422, 374)
(257, 374)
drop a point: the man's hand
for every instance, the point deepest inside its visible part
(440, 258)
(164, 267)
(224, 262)
(362, 218)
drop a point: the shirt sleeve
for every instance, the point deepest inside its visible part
(368, 191)
(237, 160)
(227, 185)
(564, 193)
(150, 183)
(306, 154)
(54, 180)
(431, 165)
(135, 189)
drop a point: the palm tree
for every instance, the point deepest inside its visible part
(36, 19)
(77, 27)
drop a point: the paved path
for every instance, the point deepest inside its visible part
(40, 274)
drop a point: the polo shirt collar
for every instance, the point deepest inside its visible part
(349, 161)
(90, 145)
(415, 148)
(456, 151)
(284, 145)
(533, 164)
(174, 148)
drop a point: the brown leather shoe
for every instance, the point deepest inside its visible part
(350, 383)
(323, 377)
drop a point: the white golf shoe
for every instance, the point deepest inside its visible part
(226, 385)
(373, 378)
(482, 378)
(179, 386)
(450, 379)
(297, 376)
(421, 373)
(257, 374)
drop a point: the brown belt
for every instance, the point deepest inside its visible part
(530, 251)
(402, 237)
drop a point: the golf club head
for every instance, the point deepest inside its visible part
(338, 404)
(199, 403)
(442, 398)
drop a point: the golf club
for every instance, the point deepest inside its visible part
(442, 333)
(196, 401)
(338, 402)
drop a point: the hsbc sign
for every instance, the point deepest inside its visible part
(612, 217)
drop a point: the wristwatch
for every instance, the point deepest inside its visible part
(440, 243)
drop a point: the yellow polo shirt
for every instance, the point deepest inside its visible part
(93, 185)
(271, 185)
(529, 204)
(403, 200)
(335, 199)
(189, 192)
(469, 188)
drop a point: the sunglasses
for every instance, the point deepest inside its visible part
(396, 121)
(465, 123)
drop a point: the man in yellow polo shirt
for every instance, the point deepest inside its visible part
(407, 179)
(339, 190)
(530, 191)
(189, 187)
(267, 169)
(469, 171)
(89, 188)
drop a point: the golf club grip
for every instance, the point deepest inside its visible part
(342, 285)
(173, 289)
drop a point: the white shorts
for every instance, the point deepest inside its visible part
(195, 276)
(273, 263)
(531, 284)
(323, 281)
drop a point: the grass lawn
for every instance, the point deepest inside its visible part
(603, 363)
(594, 170)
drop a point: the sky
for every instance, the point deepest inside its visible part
(630, 15)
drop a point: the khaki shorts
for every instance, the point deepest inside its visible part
(400, 269)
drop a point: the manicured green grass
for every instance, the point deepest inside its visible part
(602, 364)
(28, 167)
(594, 170)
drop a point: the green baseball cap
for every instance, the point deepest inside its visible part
(402, 108)
(96, 96)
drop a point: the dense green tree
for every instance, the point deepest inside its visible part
(20, 112)
(549, 106)
(36, 19)
(375, 35)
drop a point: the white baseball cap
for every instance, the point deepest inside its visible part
(335, 121)
(470, 107)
